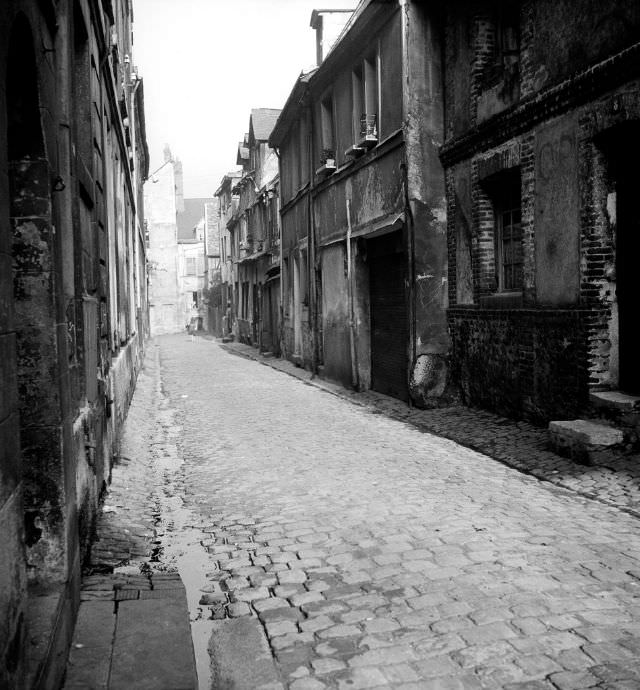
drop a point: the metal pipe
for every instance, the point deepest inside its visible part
(350, 292)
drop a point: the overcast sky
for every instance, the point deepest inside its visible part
(207, 63)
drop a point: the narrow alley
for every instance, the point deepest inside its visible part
(323, 546)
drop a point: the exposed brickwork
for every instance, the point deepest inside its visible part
(517, 355)
(530, 363)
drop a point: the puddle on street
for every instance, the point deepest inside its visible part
(178, 542)
(173, 539)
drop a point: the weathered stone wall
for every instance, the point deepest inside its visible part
(71, 304)
(522, 363)
(542, 126)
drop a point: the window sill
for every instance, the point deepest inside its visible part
(502, 300)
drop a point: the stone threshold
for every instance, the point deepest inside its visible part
(132, 631)
(616, 400)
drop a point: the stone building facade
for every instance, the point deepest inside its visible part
(254, 237)
(227, 207)
(73, 304)
(364, 251)
(163, 200)
(541, 137)
(191, 263)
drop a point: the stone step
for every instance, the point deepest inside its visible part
(585, 441)
(615, 400)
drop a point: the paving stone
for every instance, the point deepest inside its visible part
(528, 558)
(339, 631)
(363, 678)
(238, 609)
(281, 627)
(291, 639)
(273, 615)
(316, 623)
(250, 594)
(306, 598)
(287, 577)
(322, 666)
(384, 656)
(272, 603)
(307, 684)
(574, 680)
(381, 625)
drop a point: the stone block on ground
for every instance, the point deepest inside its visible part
(583, 440)
(240, 655)
(153, 648)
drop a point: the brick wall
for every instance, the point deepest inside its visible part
(529, 363)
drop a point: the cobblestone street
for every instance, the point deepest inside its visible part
(345, 549)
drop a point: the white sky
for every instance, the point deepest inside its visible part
(207, 63)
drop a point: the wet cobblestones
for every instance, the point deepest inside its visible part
(375, 555)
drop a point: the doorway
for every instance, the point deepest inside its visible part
(622, 148)
(389, 324)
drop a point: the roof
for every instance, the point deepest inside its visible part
(228, 179)
(243, 153)
(291, 108)
(261, 122)
(188, 219)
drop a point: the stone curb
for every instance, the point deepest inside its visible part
(131, 635)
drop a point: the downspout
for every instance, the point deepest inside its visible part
(312, 275)
(411, 240)
(281, 348)
(352, 322)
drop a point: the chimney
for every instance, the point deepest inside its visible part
(328, 25)
(179, 182)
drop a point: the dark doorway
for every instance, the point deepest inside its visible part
(622, 146)
(389, 327)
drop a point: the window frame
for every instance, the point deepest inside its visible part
(507, 201)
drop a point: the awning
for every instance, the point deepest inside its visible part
(381, 226)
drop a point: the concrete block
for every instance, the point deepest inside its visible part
(240, 655)
(153, 648)
(615, 400)
(583, 440)
(90, 654)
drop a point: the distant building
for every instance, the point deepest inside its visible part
(364, 251)
(214, 305)
(176, 240)
(254, 237)
(191, 262)
(161, 203)
(73, 305)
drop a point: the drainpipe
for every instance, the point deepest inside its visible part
(408, 141)
(312, 280)
(350, 289)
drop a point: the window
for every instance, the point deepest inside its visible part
(504, 67)
(194, 297)
(365, 101)
(357, 89)
(190, 266)
(369, 119)
(327, 131)
(508, 234)
(286, 287)
(304, 291)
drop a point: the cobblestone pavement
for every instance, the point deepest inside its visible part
(518, 444)
(376, 555)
